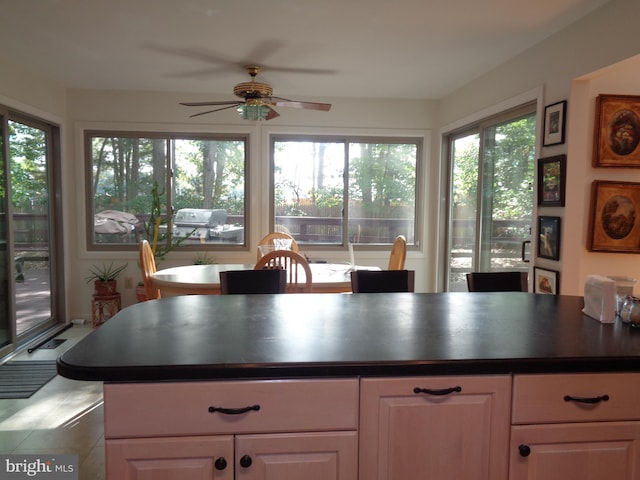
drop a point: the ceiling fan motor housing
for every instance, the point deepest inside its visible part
(252, 90)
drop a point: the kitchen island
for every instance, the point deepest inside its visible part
(366, 386)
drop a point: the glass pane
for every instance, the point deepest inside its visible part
(130, 202)
(5, 319)
(509, 160)
(382, 192)
(126, 174)
(209, 196)
(309, 190)
(464, 195)
(30, 199)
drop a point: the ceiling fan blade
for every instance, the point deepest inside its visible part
(272, 114)
(216, 110)
(283, 102)
(207, 104)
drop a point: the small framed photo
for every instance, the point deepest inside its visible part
(545, 281)
(617, 131)
(552, 172)
(549, 237)
(554, 123)
(614, 224)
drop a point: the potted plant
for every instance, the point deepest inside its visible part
(104, 278)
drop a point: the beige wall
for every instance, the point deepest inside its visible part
(603, 38)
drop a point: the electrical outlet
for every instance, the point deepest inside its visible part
(128, 282)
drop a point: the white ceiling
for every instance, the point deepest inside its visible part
(319, 48)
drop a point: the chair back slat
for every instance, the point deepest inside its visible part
(292, 262)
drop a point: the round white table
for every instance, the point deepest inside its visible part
(205, 279)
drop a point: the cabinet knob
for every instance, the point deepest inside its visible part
(220, 463)
(525, 450)
(246, 461)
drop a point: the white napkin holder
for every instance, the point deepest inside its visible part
(600, 298)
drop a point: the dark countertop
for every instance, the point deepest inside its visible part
(203, 337)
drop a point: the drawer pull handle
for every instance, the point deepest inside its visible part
(245, 461)
(233, 411)
(444, 391)
(525, 450)
(598, 399)
(220, 463)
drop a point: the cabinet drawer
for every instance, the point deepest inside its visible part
(557, 398)
(162, 409)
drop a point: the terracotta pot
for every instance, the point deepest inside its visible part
(141, 295)
(105, 289)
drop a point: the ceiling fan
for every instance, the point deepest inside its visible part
(258, 101)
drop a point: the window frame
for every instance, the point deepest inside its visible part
(414, 138)
(169, 136)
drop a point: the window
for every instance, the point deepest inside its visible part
(335, 191)
(491, 197)
(171, 190)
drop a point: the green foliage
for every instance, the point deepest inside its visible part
(27, 150)
(508, 168)
(104, 272)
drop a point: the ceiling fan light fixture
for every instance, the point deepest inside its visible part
(253, 112)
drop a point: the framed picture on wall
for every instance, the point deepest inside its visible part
(549, 237)
(554, 123)
(551, 181)
(614, 217)
(545, 281)
(617, 131)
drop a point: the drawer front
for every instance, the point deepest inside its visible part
(576, 398)
(203, 408)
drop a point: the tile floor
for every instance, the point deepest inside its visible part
(64, 416)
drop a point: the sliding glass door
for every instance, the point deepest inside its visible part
(7, 331)
(28, 303)
(491, 196)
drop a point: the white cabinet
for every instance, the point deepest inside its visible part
(576, 427)
(249, 430)
(445, 428)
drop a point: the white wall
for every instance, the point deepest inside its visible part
(150, 111)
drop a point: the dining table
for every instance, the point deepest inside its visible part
(205, 279)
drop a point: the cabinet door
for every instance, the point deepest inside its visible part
(460, 430)
(305, 456)
(186, 458)
(580, 451)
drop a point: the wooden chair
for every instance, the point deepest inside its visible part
(497, 282)
(148, 267)
(398, 253)
(268, 240)
(379, 281)
(292, 262)
(253, 281)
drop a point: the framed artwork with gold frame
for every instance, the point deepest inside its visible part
(617, 131)
(614, 224)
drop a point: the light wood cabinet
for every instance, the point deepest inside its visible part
(575, 427)
(246, 430)
(445, 428)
